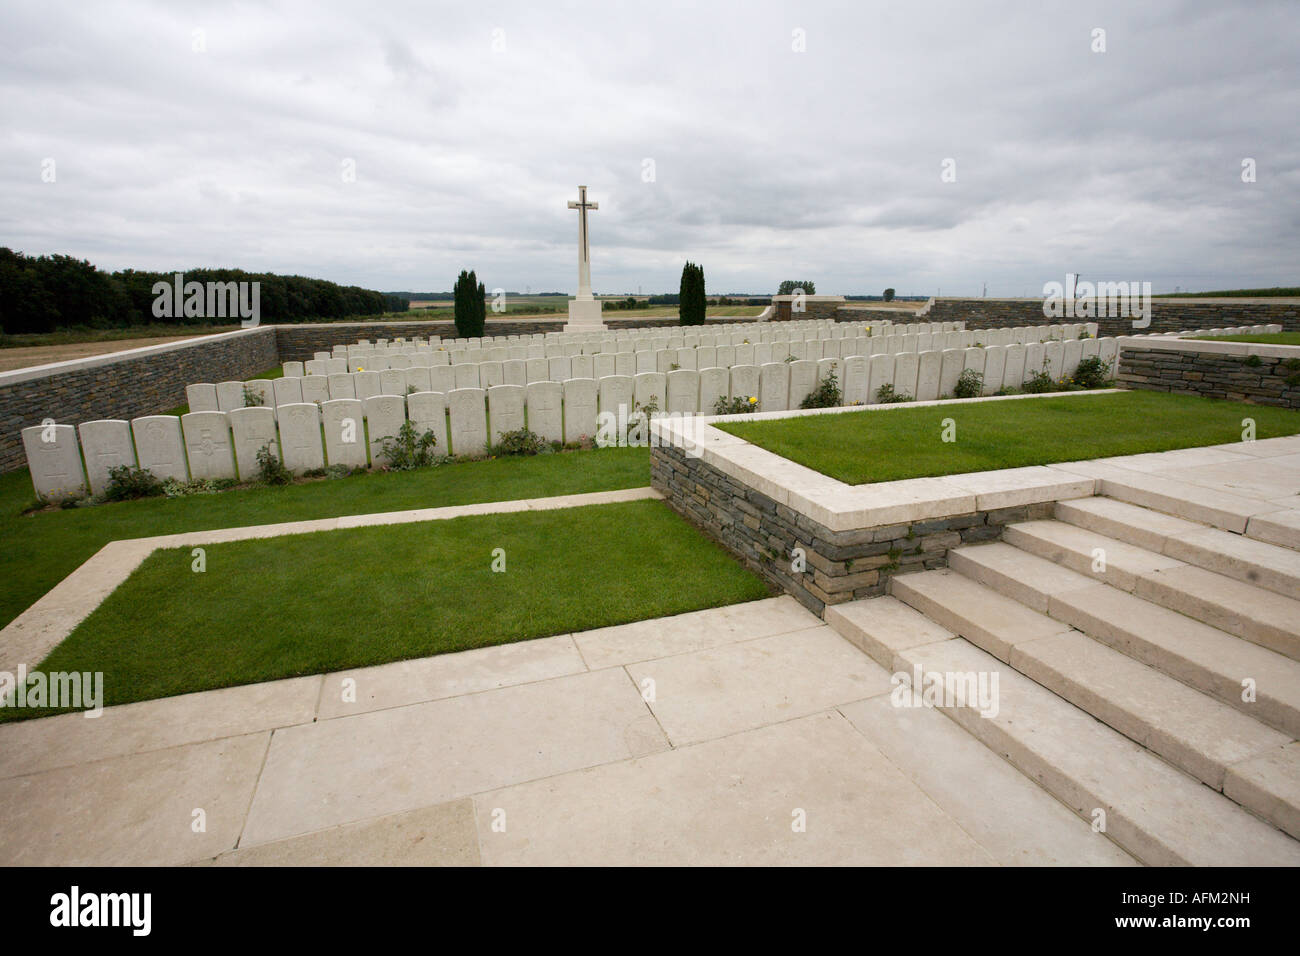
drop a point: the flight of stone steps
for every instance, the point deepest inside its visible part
(1149, 667)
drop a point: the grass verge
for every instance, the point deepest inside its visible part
(311, 603)
(1266, 338)
(39, 550)
(890, 444)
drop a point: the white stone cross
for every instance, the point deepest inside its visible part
(584, 253)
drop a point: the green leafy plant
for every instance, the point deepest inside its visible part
(885, 395)
(270, 469)
(1254, 361)
(251, 398)
(1040, 382)
(126, 483)
(735, 406)
(1092, 373)
(174, 488)
(827, 394)
(789, 286)
(970, 384)
(520, 442)
(408, 449)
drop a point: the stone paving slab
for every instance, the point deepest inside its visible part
(693, 631)
(66, 740)
(723, 690)
(1016, 820)
(448, 675)
(441, 835)
(343, 770)
(731, 801)
(136, 810)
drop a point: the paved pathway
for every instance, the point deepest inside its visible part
(747, 734)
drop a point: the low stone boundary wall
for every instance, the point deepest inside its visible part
(1240, 371)
(124, 384)
(826, 542)
(840, 565)
(1167, 315)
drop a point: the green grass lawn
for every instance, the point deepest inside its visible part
(39, 550)
(310, 603)
(888, 444)
(1267, 338)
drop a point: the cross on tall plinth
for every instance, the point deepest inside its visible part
(584, 310)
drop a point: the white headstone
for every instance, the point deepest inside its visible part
(579, 408)
(881, 372)
(251, 428)
(207, 443)
(995, 368)
(467, 414)
(744, 381)
(857, 379)
(505, 410)
(159, 446)
(287, 391)
(201, 397)
(616, 397)
(384, 417)
(300, 438)
(54, 461)
(514, 372)
(683, 391)
(106, 444)
(342, 385)
(1013, 374)
(366, 384)
(315, 388)
(545, 405)
(442, 378)
(803, 379)
(345, 436)
(392, 382)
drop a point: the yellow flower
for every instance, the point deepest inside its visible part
(753, 400)
(360, 369)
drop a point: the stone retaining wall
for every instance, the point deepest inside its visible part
(1258, 379)
(840, 566)
(1166, 315)
(125, 385)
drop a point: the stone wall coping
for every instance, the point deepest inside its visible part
(19, 375)
(839, 506)
(1169, 343)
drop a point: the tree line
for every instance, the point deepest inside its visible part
(48, 293)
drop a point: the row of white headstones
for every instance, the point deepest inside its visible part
(350, 430)
(422, 370)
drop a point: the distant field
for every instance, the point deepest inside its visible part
(1281, 292)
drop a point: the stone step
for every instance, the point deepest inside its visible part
(1255, 614)
(1204, 657)
(1232, 555)
(990, 620)
(1182, 499)
(1153, 810)
(1201, 656)
(1194, 731)
(1191, 730)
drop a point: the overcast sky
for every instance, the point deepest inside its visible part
(471, 124)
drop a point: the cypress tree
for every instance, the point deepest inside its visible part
(691, 302)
